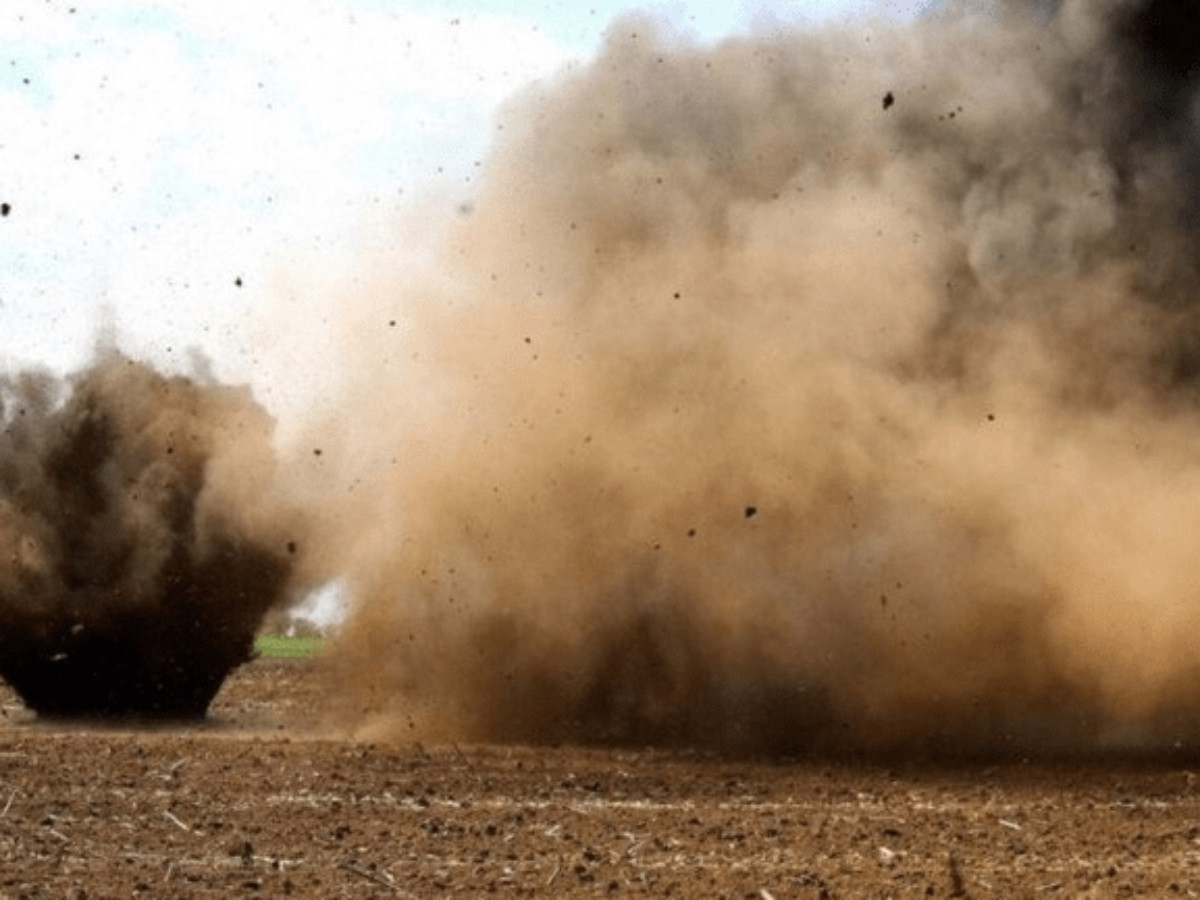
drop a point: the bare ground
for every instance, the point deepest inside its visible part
(255, 803)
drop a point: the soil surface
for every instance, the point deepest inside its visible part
(255, 802)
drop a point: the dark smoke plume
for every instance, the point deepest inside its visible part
(139, 547)
(821, 389)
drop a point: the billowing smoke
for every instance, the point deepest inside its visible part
(141, 543)
(821, 389)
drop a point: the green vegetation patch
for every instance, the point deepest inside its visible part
(281, 646)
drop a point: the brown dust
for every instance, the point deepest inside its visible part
(828, 389)
(140, 547)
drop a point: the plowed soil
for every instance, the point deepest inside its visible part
(256, 802)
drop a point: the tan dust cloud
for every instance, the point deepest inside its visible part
(818, 390)
(141, 540)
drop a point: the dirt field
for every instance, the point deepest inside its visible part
(252, 803)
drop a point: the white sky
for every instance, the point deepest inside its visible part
(152, 153)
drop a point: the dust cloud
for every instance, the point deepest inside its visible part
(141, 540)
(829, 389)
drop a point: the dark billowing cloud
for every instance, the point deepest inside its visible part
(748, 410)
(140, 541)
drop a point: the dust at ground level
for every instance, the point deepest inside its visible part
(253, 803)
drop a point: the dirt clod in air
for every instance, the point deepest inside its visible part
(139, 550)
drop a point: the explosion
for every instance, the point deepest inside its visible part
(822, 389)
(138, 549)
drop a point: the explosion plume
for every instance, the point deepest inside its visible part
(827, 388)
(140, 544)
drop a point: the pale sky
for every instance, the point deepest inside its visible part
(153, 154)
